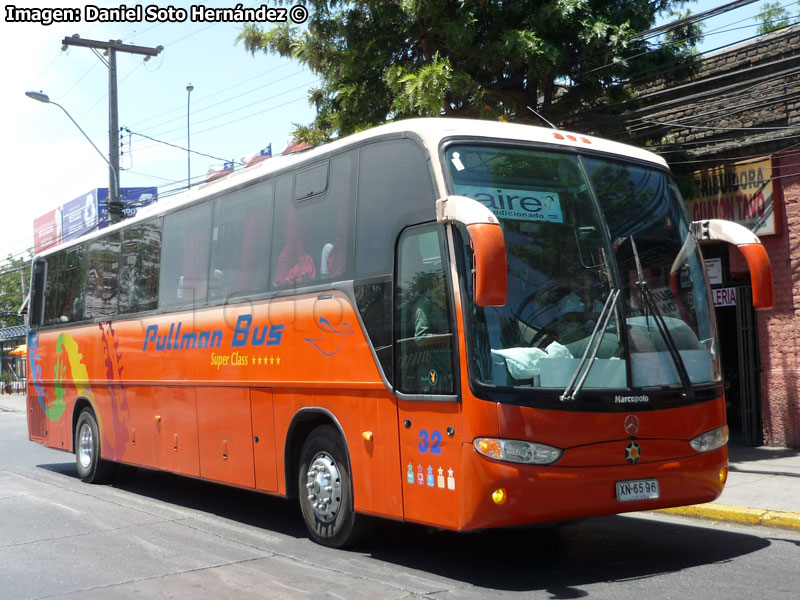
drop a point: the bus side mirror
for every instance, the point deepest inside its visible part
(490, 267)
(750, 246)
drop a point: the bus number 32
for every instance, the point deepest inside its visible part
(430, 442)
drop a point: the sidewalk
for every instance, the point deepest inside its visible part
(763, 485)
(763, 488)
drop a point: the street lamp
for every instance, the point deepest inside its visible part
(189, 89)
(114, 180)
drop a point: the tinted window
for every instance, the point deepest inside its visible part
(311, 240)
(394, 190)
(102, 269)
(240, 242)
(140, 265)
(425, 344)
(374, 300)
(64, 301)
(184, 257)
(54, 289)
(37, 293)
(311, 181)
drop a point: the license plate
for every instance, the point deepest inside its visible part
(637, 489)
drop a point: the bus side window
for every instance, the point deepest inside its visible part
(139, 267)
(292, 264)
(53, 289)
(65, 298)
(102, 276)
(185, 257)
(312, 225)
(240, 242)
(336, 251)
(395, 189)
(36, 309)
(425, 344)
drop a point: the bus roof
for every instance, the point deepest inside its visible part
(431, 130)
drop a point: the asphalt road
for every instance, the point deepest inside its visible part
(163, 536)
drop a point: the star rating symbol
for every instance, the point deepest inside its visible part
(265, 361)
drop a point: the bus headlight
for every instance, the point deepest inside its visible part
(711, 440)
(517, 451)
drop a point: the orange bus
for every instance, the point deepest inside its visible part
(456, 323)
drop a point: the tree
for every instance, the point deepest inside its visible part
(11, 296)
(390, 59)
(772, 17)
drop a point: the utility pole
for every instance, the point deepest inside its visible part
(111, 48)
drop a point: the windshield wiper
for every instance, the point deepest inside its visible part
(661, 324)
(573, 389)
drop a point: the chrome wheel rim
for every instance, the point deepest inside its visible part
(324, 486)
(85, 446)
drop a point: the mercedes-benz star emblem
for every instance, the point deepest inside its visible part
(631, 424)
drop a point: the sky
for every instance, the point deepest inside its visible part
(240, 103)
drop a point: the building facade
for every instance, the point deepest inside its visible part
(732, 134)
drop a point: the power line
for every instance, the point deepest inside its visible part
(713, 12)
(179, 147)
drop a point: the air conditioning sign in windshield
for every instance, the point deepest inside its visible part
(521, 205)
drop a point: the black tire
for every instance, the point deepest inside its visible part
(326, 491)
(91, 468)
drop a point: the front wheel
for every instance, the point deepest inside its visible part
(325, 490)
(91, 468)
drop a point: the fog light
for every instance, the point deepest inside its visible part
(499, 496)
(723, 474)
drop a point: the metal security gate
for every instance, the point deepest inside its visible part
(749, 367)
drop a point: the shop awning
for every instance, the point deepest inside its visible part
(21, 350)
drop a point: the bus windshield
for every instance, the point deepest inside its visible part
(605, 281)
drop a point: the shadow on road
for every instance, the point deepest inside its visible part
(244, 506)
(558, 560)
(562, 559)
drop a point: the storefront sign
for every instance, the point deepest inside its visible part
(714, 270)
(724, 296)
(740, 192)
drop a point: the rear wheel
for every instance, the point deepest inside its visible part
(325, 490)
(91, 468)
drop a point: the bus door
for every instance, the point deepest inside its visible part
(425, 379)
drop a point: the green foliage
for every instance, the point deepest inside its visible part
(11, 290)
(772, 17)
(388, 59)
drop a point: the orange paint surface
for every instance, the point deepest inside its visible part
(227, 394)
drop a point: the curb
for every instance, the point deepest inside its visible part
(783, 519)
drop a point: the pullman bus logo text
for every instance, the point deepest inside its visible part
(244, 334)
